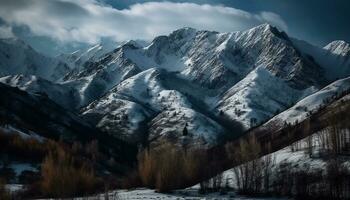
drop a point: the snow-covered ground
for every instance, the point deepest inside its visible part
(187, 194)
(298, 159)
(310, 104)
(296, 156)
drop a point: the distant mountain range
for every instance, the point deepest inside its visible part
(214, 85)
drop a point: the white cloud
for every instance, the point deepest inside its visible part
(273, 18)
(88, 20)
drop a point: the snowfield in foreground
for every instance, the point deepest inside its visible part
(143, 193)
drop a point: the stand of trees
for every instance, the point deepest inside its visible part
(261, 176)
(169, 166)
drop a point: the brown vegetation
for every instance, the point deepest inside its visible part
(62, 176)
(168, 166)
(66, 170)
(14, 145)
(4, 194)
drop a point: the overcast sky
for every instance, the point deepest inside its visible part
(47, 23)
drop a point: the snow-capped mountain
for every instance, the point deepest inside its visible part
(201, 81)
(91, 54)
(334, 57)
(19, 58)
(339, 47)
(146, 97)
(259, 96)
(239, 76)
(217, 59)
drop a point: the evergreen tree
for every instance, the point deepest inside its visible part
(185, 131)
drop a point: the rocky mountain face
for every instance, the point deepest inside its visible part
(218, 76)
(190, 87)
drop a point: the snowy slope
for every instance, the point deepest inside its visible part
(16, 57)
(339, 47)
(222, 59)
(334, 57)
(215, 60)
(300, 110)
(298, 160)
(259, 96)
(197, 79)
(78, 58)
(145, 98)
(94, 79)
(246, 75)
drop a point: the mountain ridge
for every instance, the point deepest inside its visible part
(201, 80)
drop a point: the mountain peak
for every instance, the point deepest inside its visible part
(338, 43)
(267, 28)
(183, 33)
(133, 44)
(184, 30)
(339, 47)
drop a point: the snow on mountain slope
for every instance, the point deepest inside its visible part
(339, 47)
(187, 78)
(215, 60)
(257, 97)
(166, 111)
(266, 46)
(119, 117)
(63, 95)
(221, 59)
(16, 57)
(334, 57)
(248, 75)
(77, 58)
(313, 102)
(94, 79)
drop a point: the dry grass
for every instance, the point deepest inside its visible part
(169, 167)
(4, 194)
(66, 170)
(15, 145)
(62, 177)
(147, 167)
